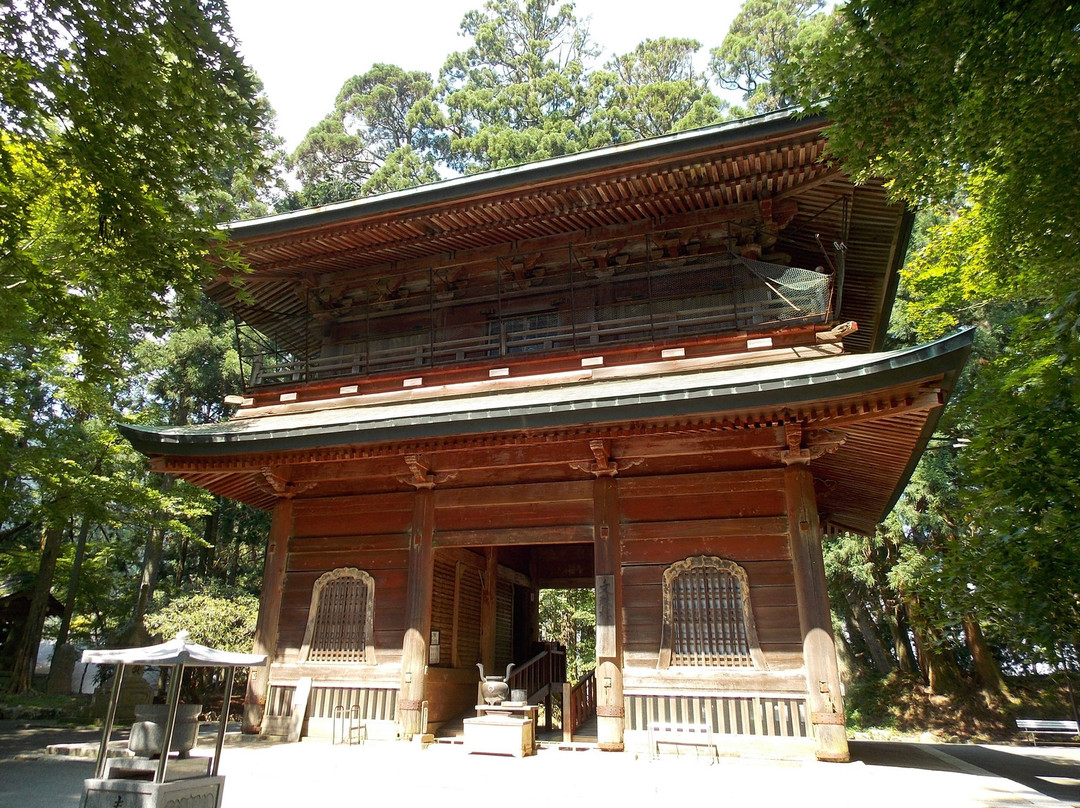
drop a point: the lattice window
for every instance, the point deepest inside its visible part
(341, 620)
(707, 616)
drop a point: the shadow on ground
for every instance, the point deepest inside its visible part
(1055, 773)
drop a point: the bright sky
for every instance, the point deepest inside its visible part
(304, 51)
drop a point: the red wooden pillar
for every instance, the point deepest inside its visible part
(414, 650)
(608, 569)
(266, 625)
(825, 702)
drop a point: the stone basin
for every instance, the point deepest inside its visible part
(148, 732)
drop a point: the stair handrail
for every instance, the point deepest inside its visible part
(583, 699)
(540, 672)
(578, 704)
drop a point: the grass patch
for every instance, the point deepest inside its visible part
(901, 705)
(74, 709)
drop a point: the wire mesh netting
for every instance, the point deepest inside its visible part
(802, 291)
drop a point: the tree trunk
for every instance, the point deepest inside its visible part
(986, 667)
(210, 538)
(939, 667)
(22, 676)
(883, 662)
(898, 630)
(942, 673)
(233, 549)
(850, 662)
(73, 585)
(847, 633)
(181, 560)
(155, 547)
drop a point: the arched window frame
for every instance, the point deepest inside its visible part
(724, 567)
(369, 614)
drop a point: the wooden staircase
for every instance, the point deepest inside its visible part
(542, 676)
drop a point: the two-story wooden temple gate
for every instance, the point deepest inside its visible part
(613, 370)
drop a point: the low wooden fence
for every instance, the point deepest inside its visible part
(324, 703)
(764, 714)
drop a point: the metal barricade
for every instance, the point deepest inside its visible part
(352, 728)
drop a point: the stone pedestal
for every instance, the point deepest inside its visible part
(197, 792)
(502, 733)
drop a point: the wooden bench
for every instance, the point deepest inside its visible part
(680, 734)
(1039, 726)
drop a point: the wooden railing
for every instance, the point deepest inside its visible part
(578, 704)
(536, 676)
(747, 304)
(364, 360)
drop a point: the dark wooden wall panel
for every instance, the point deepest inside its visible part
(449, 692)
(738, 549)
(504, 627)
(389, 571)
(442, 606)
(759, 482)
(733, 515)
(329, 506)
(497, 495)
(505, 507)
(457, 586)
(350, 543)
(468, 633)
(520, 514)
(375, 514)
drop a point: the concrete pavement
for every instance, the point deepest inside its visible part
(378, 772)
(884, 775)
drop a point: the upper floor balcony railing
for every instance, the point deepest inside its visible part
(577, 309)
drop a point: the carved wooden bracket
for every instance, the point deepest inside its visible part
(421, 474)
(804, 445)
(448, 281)
(280, 487)
(604, 465)
(778, 213)
(389, 290)
(523, 271)
(605, 252)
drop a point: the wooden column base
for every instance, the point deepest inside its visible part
(826, 756)
(251, 722)
(411, 720)
(610, 719)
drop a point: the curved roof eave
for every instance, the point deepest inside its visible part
(684, 395)
(555, 168)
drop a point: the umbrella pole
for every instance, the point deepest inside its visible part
(110, 716)
(223, 721)
(170, 724)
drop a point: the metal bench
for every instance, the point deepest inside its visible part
(1039, 726)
